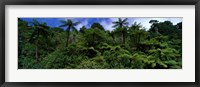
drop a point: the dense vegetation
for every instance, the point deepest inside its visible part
(43, 47)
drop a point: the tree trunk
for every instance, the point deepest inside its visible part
(123, 35)
(36, 51)
(36, 47)
(67, 38)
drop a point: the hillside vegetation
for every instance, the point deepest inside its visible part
(43, 47)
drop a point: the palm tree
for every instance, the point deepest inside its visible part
(70, 25)
(39, 29)
(122, 24)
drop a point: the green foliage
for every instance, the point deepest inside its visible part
(93, 37)
(134, 47)
(97, 25)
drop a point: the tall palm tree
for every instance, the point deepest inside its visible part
(39, 29)
(121, 24)
(70, 25)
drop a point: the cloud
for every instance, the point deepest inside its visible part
(113, 19)
(107, 25)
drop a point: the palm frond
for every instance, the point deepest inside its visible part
(76, 23)
(125, 20)
(126, 23)
(74, 29)
(115, 26)
(116, 22)
(120, 20)
(64, 25)
(63, 21)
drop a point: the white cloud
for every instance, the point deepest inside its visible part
(107, 25)
(113, 19)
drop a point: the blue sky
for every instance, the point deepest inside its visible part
(105, 22)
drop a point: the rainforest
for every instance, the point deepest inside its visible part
(115, 44)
